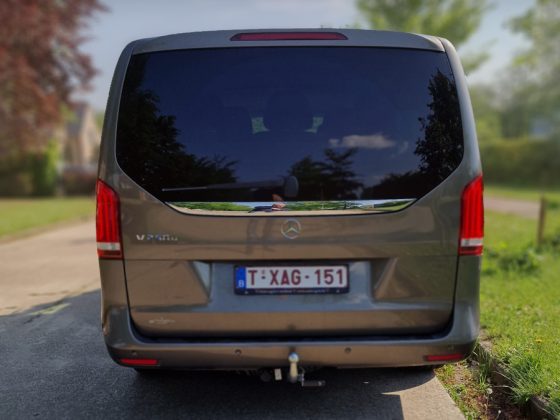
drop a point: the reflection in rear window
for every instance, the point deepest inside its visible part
(305, 124)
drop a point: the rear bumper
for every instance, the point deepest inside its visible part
(255, 354)
(123, 342)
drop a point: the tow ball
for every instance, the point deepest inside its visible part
(296, 374)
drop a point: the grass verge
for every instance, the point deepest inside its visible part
(469, 386)
(20, 215)
(520, 304)
(520, 316)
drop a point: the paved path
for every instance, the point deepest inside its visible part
(523, 208)
(54, 363)
(47, 267)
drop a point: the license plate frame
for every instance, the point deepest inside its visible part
(242, 284)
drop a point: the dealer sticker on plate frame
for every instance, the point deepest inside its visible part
(319, 279)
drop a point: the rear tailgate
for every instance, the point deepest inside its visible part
(180, 271)
(208, 144)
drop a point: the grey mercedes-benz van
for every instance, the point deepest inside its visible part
(283, 199)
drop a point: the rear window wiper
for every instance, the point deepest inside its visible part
(290, 185)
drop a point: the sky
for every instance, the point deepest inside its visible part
(128, 20)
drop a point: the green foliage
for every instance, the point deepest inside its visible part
(468, 385)
(44, 172)
(31, 173)
(455, 20)
(525, 261)
(520, 309)
(525, 372)
(518, 111)
(539, 64)
(541, 26)
(15, 184)
(522, 162)
(486, 113)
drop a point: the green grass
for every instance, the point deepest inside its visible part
(20, 215)
(468, 388)
(520, 303)
(521, 193)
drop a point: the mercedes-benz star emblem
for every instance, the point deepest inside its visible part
(291, 229)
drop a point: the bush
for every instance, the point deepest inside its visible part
(15, 184)
(44, 172)
(31, 173)
(524, 261)
(522, 162)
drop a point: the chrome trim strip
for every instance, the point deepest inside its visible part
(293, 207)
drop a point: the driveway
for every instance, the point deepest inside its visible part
(54, 364)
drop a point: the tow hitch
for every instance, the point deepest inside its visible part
(296, 374)
(293, 376)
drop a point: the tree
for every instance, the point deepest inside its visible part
(539, 65)
(341, 182)
(150, 147)
(40, 66)
(331, 178)
(487, 113)
(440, 148)
(456, 20)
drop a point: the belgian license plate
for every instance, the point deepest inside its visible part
(291, 279)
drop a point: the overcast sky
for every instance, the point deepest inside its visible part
(128, 20)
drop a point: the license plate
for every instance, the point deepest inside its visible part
(291, 279)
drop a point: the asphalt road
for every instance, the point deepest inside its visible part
(54, 364)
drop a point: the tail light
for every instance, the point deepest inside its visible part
(453, 357)
(108, 226)
(289, 36)
(472, 219)
(139, 362)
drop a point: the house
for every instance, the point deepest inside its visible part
(80, 142)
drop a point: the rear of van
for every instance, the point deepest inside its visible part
(269, 193)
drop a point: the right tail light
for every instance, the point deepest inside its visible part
(472, 218)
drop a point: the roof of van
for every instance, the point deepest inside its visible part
(223, 39)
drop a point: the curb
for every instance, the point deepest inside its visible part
(536, 408)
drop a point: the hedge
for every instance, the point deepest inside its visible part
(531, 163)
(30, 174)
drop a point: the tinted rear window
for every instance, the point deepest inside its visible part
(346, 123)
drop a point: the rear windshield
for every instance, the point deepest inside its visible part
(288, 125)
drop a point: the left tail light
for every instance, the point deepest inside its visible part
(108, 226)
